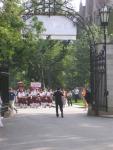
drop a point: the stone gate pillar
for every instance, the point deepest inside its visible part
(109, 61)
(100, 99)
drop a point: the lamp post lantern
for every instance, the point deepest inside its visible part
(104, 16)
(104, 20)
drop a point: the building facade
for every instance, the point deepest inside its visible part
(92, 7)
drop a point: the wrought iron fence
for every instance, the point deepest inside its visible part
(98, 79)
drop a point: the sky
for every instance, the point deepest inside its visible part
(76, 4)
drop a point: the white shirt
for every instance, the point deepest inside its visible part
(76, 91)
(21, 94)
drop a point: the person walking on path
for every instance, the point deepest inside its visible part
(1, 123)
(12, 99)
(83, 94)
(76, 94)
(58, 101)
(69, 98)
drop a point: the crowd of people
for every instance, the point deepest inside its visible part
(34, 97)
(44, 97)
(38, 97)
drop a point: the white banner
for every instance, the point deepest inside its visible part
(35, 85)
(58, 27)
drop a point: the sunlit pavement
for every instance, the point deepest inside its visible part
(39, 129)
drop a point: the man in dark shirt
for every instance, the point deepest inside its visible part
(58, 101)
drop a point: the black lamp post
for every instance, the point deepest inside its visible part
(104, 20)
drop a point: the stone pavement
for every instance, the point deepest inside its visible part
(39, 129)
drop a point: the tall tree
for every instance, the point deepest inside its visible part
(10, 27)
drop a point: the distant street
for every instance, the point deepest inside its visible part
(39, 129)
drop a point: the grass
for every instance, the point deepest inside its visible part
(79, 102)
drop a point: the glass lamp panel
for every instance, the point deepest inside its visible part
(101, 15)
(104, 15)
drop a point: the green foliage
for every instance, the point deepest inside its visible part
(10, 25)
(82, 60)
(54, 63)
(82, 54)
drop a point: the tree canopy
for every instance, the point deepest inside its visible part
(30, 58)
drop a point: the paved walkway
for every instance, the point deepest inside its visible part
(39, 129)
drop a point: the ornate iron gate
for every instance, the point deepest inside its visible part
(97, 59)
(98, 79)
